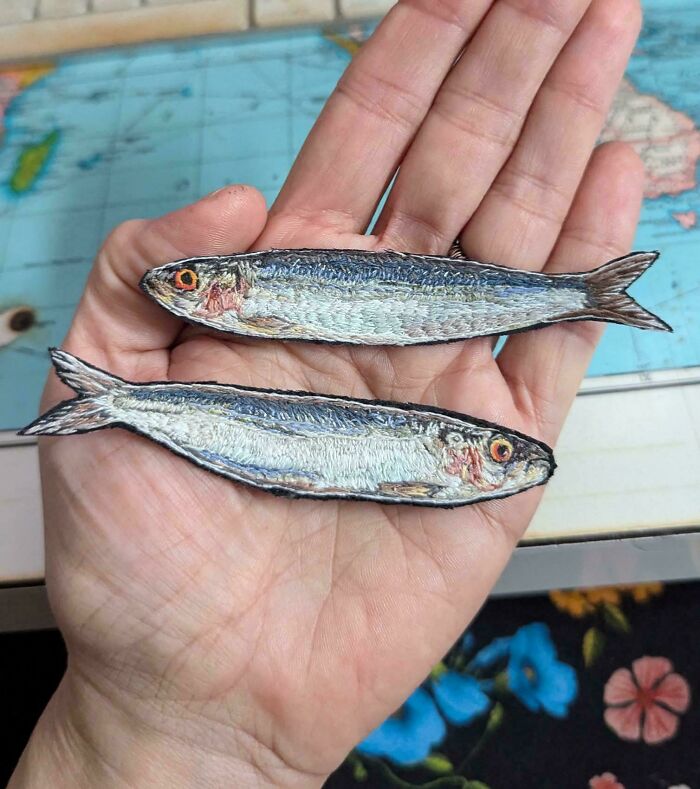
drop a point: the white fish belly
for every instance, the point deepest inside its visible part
(406, 315)
(320, 461)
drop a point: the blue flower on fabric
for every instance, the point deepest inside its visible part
(468, 642)
(535, 675)
(409, 735)
(497, 650)
(460, 697)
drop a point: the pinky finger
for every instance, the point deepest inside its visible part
(544, 368)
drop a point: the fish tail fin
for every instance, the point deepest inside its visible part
(607, 286)
(83, 378)
(79, 415)
(88, 411)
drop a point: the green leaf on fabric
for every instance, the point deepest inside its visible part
(390, 779)
(359, 772)
(592, 646)
(438, 670)
(495, 717)
(438, 763)
(500, 682)
(615, 618)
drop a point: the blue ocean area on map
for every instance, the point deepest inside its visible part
(146, 130)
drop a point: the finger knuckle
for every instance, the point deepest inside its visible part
(548, 13)
(618, 18)
(455, 13)
(382, 98)
(122, 235)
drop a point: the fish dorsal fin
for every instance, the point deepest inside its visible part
(456, 252)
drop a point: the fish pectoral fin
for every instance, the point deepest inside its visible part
(250, 472)
(210, 460)
(411, 489)
(268, 323)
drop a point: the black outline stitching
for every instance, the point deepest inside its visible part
(581, 315)
(278, 490)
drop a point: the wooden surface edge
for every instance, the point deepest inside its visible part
(43, 38)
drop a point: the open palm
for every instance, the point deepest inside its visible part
(279, 632)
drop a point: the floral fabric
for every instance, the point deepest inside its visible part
(590, 688)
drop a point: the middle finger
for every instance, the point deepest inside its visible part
(475, 122)
(533, 193)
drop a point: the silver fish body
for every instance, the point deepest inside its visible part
(305, 444)
(388, 298)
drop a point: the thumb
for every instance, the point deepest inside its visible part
(115, 324)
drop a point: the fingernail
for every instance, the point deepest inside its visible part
(215, 193)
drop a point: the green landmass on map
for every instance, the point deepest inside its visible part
(32, 163)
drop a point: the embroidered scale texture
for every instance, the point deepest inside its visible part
(305, 444)
(388, 298)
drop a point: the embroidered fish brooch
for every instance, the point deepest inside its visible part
(389, 298)
(308, 445)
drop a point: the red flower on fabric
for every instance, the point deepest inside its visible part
(645, 703)
(605, 781)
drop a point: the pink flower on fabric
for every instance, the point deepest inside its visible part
(644, 703)
(605, 781)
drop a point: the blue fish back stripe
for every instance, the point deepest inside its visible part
(356, 267)
(307, 416)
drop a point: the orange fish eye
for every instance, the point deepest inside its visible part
(501, 450)
(186, 279)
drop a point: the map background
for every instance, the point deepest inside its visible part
(146, 130)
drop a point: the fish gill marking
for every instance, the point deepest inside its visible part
(467, 464)
(217, 300)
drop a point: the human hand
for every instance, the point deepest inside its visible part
(219, 636)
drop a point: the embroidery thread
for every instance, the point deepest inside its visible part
(303, 444)
(389, 298)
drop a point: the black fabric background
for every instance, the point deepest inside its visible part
(534, 750)
(529, 751)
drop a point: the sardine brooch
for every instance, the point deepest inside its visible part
(389, 298)
(308, 445)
